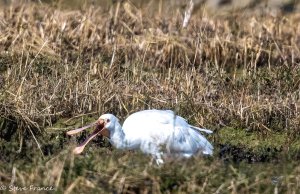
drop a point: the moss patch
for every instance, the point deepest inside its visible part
(255, 145)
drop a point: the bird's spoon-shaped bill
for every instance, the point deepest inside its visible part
(72, 132)
(100, 127)
(81, 147)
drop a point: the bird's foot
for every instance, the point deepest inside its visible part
(159, 161)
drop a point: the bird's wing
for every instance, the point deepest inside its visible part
(164, 127)
(188, 139)
(150, 125)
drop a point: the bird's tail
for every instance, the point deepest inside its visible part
(201, 130)
(206, 146)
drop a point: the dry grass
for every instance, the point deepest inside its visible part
(238, 70)
(64, 63)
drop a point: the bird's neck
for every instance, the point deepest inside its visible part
(117, 137)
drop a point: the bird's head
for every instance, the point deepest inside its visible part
(106, 124)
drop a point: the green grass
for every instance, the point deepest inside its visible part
(110, 170)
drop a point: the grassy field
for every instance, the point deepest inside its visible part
(235, 72)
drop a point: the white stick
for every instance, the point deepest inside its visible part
(188, 14)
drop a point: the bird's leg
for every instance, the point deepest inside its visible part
(151, 161)
(154, 150)
(158, 159)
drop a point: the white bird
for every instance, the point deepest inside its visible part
(157, 132)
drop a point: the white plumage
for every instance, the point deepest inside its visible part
(156, 132)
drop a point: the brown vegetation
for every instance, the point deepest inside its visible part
(238, 70)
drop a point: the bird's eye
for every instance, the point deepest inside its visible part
(107, 120)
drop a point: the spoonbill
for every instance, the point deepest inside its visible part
(157, 132)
